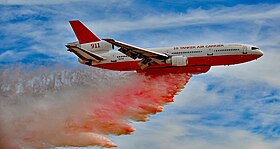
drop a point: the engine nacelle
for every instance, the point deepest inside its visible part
(177, 61)
(98, 47)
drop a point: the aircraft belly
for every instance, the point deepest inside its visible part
(120, 66)
(192, 62)
(222, 60)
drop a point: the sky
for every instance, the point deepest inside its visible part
(228, 107)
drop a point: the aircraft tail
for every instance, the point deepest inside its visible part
(83, 34)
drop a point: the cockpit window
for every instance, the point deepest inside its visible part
(254, 48)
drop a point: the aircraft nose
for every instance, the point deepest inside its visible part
(259, 52)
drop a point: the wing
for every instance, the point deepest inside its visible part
(136, 52)
(84, 54)
(147, 56)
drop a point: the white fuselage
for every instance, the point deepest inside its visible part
(188, 51)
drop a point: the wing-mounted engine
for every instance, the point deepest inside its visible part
(177, 61)
(98, 47)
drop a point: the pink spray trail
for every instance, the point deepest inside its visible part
(78, 107)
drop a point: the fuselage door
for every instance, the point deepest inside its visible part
(245, 50)
(114, 58)
(210, 52)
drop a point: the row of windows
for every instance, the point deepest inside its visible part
(121, 56)
(186, 52)
(227, 50)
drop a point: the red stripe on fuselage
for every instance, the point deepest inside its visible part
(192, 61)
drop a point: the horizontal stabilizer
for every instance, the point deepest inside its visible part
(84, 54)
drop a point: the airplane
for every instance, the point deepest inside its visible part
(194, 59)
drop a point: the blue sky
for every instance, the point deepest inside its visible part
(228, 107)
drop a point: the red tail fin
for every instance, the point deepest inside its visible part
(83, 34)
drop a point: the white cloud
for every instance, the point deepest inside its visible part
(36, 2)
(173, 131)
(30, 2)
(249, 14)
(188, 99)
(11, 56)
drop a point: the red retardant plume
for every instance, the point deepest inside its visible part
(79, 107)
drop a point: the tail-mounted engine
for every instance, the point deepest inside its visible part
(98, 47)
(177, 61)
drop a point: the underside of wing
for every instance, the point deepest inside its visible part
(148, 57)
(84, 54)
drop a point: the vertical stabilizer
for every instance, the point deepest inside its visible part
(83, 34)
